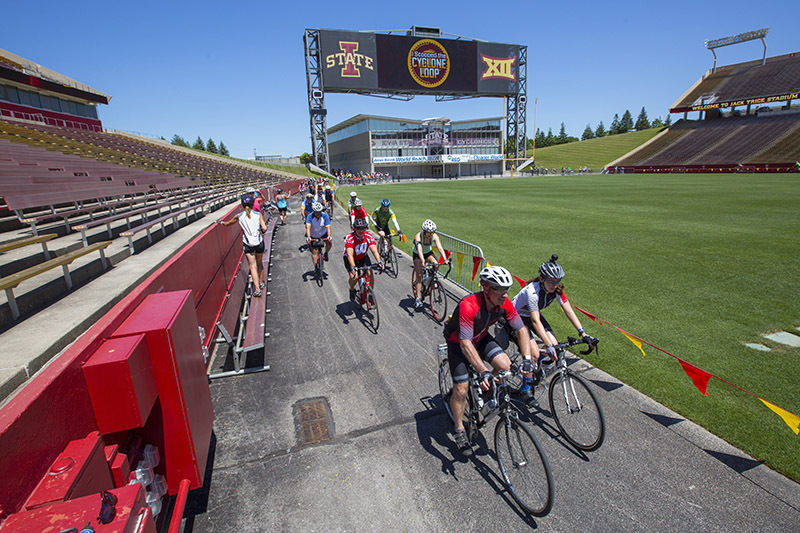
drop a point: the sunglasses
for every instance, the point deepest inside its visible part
(552, 281)
(499, 290)
(108, 510)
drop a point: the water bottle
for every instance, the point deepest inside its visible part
(478, 394)
(426, 276)
(488, 407)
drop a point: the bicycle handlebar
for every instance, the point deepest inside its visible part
(592, 342)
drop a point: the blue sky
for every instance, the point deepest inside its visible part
(234, 71)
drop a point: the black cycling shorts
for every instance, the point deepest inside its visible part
(414, 256)
(259, 249)
(359, 263)
(487, 348)
(529, 323)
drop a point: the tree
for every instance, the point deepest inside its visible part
(614, 125)
(211, 146)
(198, 144)
(306, 158)
(223, 150)
(562, 135)
(657, 123)
(668, 122)
(587, 133)
(600, 131)
(177, 140)
(550, 139)
(540, 139)
(626, 124)
(641, 122)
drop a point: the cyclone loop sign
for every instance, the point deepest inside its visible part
(428, 63)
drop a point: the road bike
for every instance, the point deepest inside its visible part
(365, 296)
(389, 254)
(330, 209)
(319, 268)
(433, 289)
(522, 462)
(573, 405)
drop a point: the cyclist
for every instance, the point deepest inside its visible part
(353, 196)
(356, 245)
(318, 226)
(540, 292)
(253, 227)
(357, 212)
(469, 342)
(380, 219)
(306, 207)
(281, 200)
(328, 197)
(423, 251)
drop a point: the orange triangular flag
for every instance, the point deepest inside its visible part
(635, 341)
(699, 377)
(791, 419)
(476, 262)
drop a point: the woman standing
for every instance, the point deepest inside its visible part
(253, 228)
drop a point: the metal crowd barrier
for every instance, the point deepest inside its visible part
(461, 256)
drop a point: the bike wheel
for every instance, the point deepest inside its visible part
(391, 259)
(438, 301)
(524, 467)
(576, 411)
(370, 306)
(319, 269)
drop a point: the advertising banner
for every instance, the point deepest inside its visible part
(449, 158)
(348, 60)
(375, 62)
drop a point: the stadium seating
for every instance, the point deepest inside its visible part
(779, 75)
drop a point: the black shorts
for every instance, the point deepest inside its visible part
(529, 323)
(359, 263)
(282, 210)
(384, 229)
(487, 348)
(414, 256)
(259, 249)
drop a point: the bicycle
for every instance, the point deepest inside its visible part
(576, 410)
(330, 209)
(432, 288)
(519, 455)
(365, 296)
(319, 268)
(389, 254)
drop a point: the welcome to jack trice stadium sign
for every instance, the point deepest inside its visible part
(369, 62)
(454, 158)
(736, 103)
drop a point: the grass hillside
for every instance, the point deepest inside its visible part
(594, 153)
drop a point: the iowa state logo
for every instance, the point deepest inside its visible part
(428, 63)
(349, 59)
(498, 68)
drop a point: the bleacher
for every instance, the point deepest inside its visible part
(121, 194)
(734, 131)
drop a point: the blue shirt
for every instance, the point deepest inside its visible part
(282, 203)
(318, 225)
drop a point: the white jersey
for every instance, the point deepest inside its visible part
(535, 298)
(251, 228)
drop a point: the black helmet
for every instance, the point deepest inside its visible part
(551, 269)
(248, 201)
(360, 223)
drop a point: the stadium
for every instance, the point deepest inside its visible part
(146, 386)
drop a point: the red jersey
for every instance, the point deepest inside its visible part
(359, 247)
(471, 319)
(359, 212)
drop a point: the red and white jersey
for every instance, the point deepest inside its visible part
(359, 247)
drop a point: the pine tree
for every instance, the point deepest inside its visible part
(562, 135)
(668, 122)
(540, 139)
(641, 122)
(223, 150)
(177, 140)
(550, 139)
(199, 145)
(614, 125)
(657, 123)
(600, 131)
(626, 124)
(211, 146)
(587, 133)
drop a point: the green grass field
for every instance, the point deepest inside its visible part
(594, 153)
(695, 264)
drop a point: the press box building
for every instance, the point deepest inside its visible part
(428, 148)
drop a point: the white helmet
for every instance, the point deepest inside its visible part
(353, 194)
(497, 277)
(249, 190)
(429, 226)
(317, 207)
(357, 202)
